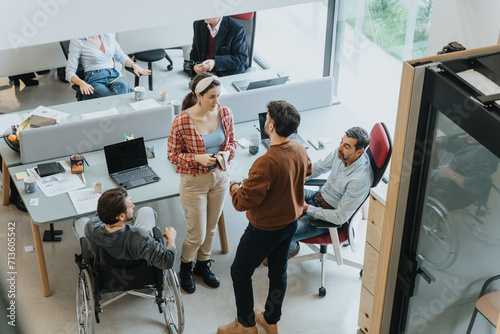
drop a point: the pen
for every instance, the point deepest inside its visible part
(85, 161)
(256, 127)
(83, 179)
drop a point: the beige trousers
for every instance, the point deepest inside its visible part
(202, 196)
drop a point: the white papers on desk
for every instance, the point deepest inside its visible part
(6, 121)
(49, 113)
(145, 104)
(480, 82)
(84, 200)
(97, 114)
(59, 184)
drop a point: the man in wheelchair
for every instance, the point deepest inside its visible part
(461, 171)
(110, 231)
(343, 192)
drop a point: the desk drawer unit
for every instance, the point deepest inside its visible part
(372, 251)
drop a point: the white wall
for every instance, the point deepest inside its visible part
(471, 23)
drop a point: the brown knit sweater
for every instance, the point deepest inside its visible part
(273, 194)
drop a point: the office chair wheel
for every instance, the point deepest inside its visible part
(85, 312)
(172, 307)
(170, 67)
(439, 244)
(322, 292)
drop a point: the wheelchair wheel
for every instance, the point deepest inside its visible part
(172, 307)
(438, 243)
(85, 312)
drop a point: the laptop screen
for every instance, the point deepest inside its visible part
(125, 155)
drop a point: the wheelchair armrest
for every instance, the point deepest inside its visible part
(323, 224)
(315, 182)
(157, 235)
(86, 255)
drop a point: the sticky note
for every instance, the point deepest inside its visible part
(21, 175)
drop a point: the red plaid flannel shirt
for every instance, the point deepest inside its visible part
(185, 141)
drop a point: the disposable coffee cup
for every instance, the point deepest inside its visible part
(30, 184)
(254, 144)
(163, 96)
(140, 93)
(97, 187)
(177, 106)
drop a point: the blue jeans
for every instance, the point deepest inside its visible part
(100, 79)
(304, 228)
(255, 245)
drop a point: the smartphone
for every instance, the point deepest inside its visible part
(316, 143)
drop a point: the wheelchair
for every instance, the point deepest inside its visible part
(440, 237)
(102, 274)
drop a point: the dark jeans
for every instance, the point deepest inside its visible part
(255, 245)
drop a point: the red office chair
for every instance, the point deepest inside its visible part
(379, 153)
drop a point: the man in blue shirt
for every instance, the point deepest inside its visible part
(345, 189)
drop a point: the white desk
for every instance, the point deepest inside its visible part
(75, 109)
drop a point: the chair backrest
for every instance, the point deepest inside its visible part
(379, 151)
(248, 20)
(65, 50)
(122, 275)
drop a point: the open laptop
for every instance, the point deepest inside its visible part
(248, 85)
(265, 139)
(128, 164)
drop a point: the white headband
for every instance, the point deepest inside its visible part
(204, 83)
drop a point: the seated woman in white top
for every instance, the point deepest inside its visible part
(96, 54)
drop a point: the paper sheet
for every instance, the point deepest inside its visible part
(7, 120)
(102, 113)
(59, 184)
(84, 200)
(145, 104)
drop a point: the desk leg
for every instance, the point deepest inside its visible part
(222, 234)
(5, 184)
(40, 256)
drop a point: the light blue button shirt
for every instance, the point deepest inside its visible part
(91, 57)
(345, 189)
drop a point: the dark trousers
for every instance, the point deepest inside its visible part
(255, 245)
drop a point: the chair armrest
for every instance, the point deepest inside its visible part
(315, 182)
(323, 224)
(130, 69)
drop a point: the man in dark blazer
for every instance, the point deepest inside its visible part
(219, 46)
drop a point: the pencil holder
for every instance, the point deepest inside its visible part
(76, 163)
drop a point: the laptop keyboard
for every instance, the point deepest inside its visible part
(133, 175)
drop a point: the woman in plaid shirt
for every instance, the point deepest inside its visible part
(202, 130)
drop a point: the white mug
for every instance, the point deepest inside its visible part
(140, 93)
(30, 184)
(97, 187)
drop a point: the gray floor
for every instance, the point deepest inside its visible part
(206, 309)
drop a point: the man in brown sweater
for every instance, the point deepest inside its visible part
(273, 197)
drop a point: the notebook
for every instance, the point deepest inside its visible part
(128, 164)
(248, 85)
(265, 139)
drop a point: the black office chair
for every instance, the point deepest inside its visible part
(79, 71)
(379, 152)
(150, 57)
(248, 20)
(102, 274)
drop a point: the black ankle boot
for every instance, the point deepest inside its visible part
(202, 269)
(187, 280)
